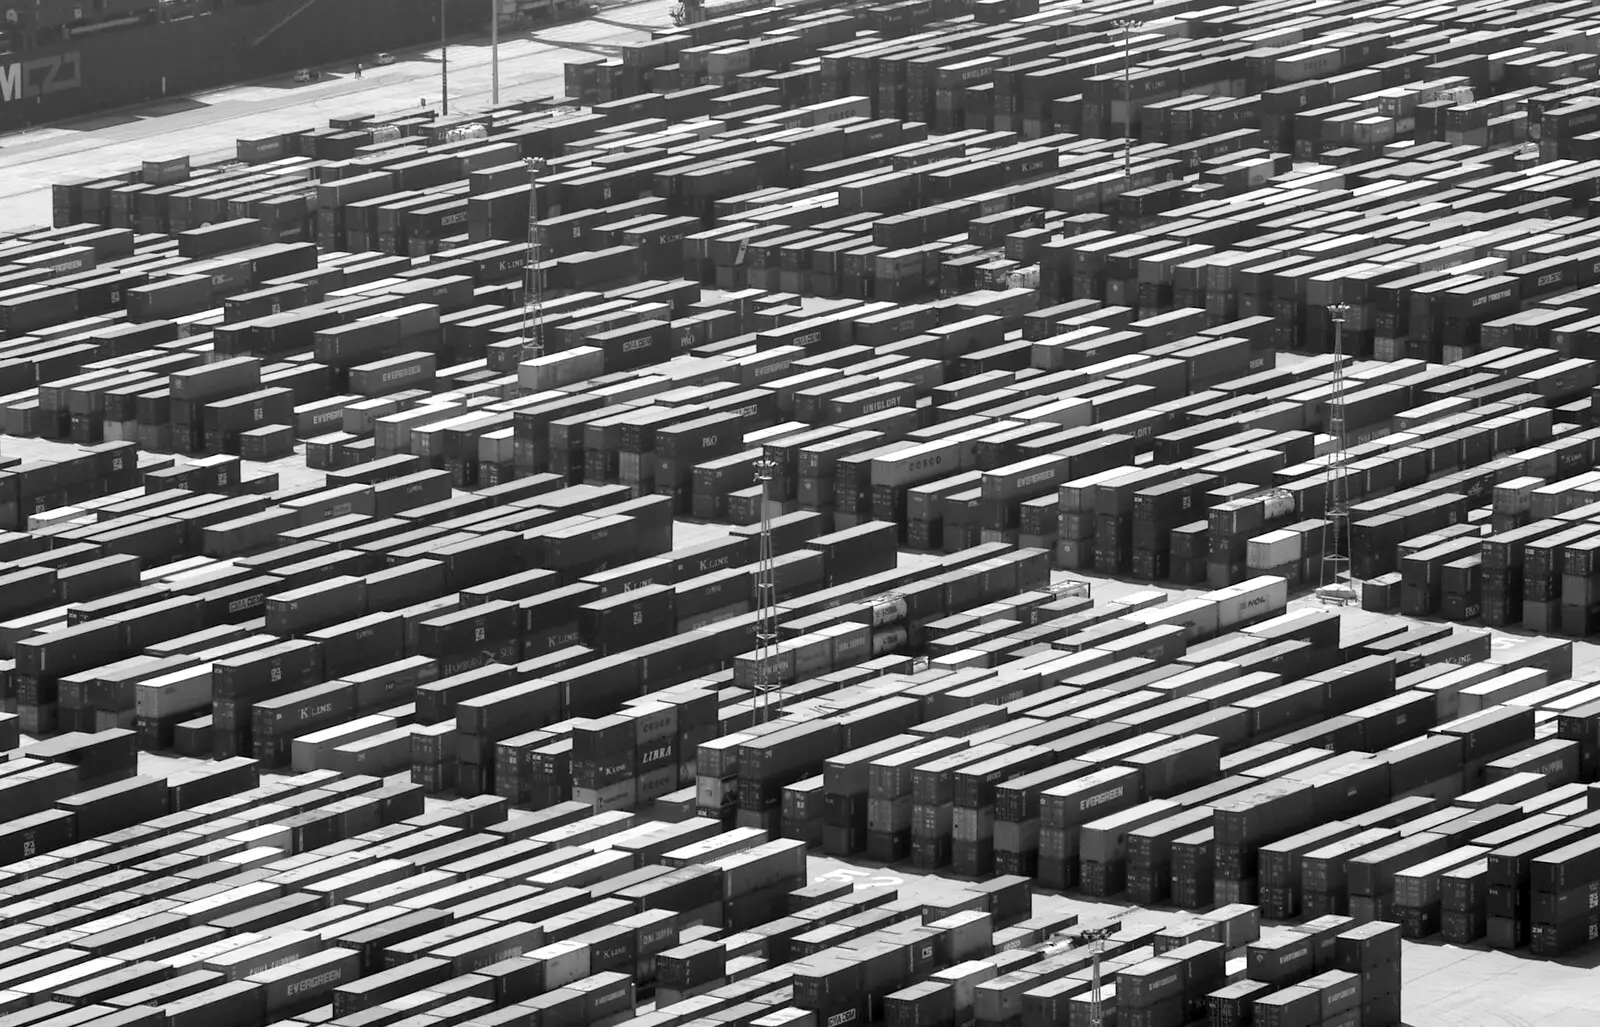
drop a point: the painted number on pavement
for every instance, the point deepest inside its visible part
(860, 878)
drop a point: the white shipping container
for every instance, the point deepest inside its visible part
(1500, 690)
(256, 856)
(1549, 500)
(554, 370)
(60, 515)
(1199, 618)
(1447, 687)
(313, 751)
(1256, 599)
(496, 447)
(564, 962)
(843, 107)
(917, 464)
(961, 659)
(1273, 549)
(177, 692)
(1142, 600)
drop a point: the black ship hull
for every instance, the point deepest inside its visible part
(114, 67)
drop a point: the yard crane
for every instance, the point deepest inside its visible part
(1095, 937)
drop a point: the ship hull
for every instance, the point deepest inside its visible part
(114, 68)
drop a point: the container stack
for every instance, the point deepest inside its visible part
(891, 801)
(1150, 865)
(1064, 810)
(550, 774)
(1418, 904)
(1233, 524)
(1564, 883)
(604, 760)
(1153, 991)
(1194, 869)
(947, 709)
(1189, 548)
(1371, 955)
(974, 814)
(717, 777)
(1075, 524)
(756, 883)
(482, 722)
(1247, 820)
(1104, 846)
(1017, 816)
(1159, 513)
(802, 820)
(933, 801)
(1330, 964)
(845, 789)
(513, 765)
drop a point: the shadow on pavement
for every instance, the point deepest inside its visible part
(598, 49)
(628, 26)
(162, 108)
(97, 122)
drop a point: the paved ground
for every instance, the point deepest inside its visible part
(531, 65)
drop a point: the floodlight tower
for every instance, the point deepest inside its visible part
(768, 679)
(1127, 26)
(1337, 587)
(1095, 938)
(533, 291)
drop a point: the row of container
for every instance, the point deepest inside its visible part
(338, 898)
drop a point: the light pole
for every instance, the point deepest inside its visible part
(533, 291)
(444, 63)
(494, 49)
(1338, 581)
(1127, 25)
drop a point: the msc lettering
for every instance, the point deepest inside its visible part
(42, 76)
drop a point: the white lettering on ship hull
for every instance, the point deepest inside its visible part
(42, 76)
